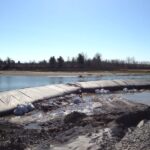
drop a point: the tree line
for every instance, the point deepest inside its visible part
(79, 63)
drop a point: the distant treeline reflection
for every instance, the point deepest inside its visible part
(79, 63)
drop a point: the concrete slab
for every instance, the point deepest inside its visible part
(10, 99)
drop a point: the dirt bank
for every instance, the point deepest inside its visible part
(56, 73)
(81, 122)
(89, 73)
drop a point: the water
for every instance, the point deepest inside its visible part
(17, 82)
(143, 97)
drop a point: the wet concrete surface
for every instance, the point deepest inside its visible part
(86, 121)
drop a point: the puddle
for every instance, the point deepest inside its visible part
(143, 97)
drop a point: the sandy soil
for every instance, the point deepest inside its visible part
(32, 73)
(59, 73)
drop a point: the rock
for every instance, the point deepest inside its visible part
(80, 76)
(23, 108)
(141, 123)
(20, 110)
(118, 145)
(106, 91)
(125, 90)
(97, 91)
(101, 91)
(141, 90)
(129, 130)
(30, 106)
(134, 90)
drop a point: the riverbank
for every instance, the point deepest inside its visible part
(53, 74)
(101, 122)
(63, 73)
(92, 115)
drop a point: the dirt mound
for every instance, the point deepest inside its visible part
(74, 117)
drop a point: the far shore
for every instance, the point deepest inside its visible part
(74, 73)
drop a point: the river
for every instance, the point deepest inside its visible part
(16, 82)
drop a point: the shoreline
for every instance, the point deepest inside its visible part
(51, 73)
(72, 74)
(112, 125)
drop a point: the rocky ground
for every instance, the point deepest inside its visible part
(137, 138)
(79, 122)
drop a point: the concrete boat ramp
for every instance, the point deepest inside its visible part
(10, 99)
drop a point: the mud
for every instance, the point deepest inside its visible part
(98, 122)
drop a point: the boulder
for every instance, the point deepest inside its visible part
(30, 106)
(23, 108)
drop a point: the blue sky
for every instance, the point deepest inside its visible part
(38, 29)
